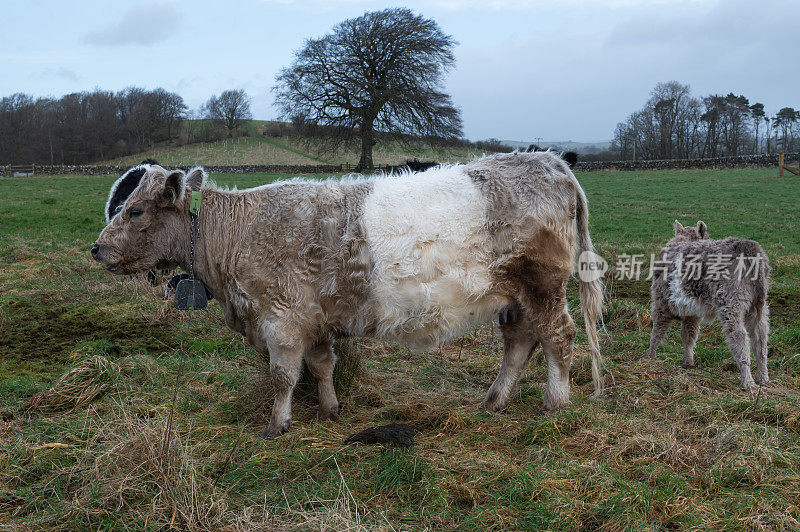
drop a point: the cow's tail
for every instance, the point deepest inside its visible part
(591, 290)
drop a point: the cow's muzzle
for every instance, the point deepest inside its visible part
(103, 254)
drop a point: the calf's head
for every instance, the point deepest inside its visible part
(691, 233)
(152, 228)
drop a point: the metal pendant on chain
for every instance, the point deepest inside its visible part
(191, 293)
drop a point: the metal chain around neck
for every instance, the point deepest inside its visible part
(192, 235)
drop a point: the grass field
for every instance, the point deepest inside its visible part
(259, 149)
(665, 448)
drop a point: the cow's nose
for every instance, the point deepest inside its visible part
(95, 251)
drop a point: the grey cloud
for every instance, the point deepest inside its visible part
(143, 24)
(61, 72)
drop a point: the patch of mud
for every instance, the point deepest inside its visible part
(42, 329)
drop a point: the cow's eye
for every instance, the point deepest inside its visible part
(135, 213)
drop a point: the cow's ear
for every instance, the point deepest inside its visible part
(196, 178)
(677, 227)
(174, 187)
(702, 230)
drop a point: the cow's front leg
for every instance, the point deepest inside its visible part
(320, 360)
(285, 364)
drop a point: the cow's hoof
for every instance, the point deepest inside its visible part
(748, 386)
(328, 414)
(686, 365)
(544, 411)
(493, 403)
(492, 408)
(761, 381)
(552, 404)
(272, 432)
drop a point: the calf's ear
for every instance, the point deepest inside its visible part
(174, 187)
(702, 230)
(677, 227)
(196, 178)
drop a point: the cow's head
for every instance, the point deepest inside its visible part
(691, 233)
(151, 229)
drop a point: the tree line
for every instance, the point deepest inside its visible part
(673, 124)
(90, 126)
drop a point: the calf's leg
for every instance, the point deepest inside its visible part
(320, 360)
(757, 324)
(661, 323)
(739, 344)
(519, 343)
(690, 327)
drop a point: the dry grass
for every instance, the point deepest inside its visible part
(77, 388)
(140, 463)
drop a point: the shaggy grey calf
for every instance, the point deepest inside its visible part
(697, 279)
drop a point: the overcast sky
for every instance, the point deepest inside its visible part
(557, 69)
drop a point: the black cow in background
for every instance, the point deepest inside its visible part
(570, 157)
(411, 165)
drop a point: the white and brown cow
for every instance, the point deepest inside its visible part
(417, 258)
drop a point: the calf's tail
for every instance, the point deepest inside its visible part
(761, 307)
(591, 291)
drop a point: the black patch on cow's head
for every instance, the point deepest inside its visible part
(124, 186)
(571, 158)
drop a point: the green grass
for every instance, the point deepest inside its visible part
(665, 448)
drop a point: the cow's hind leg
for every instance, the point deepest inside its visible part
(519, 344)
(285, 364)
(556, 331)
(690, 327)
(321, 360)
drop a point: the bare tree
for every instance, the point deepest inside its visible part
(230, 108)
(735, 112)
(757, 114)
(667, 101)
(786, 119)
(380, 72)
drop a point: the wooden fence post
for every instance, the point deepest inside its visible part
(780, 164)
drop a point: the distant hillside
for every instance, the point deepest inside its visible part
(563, 145)
(260, 149)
